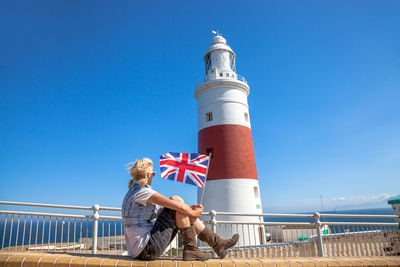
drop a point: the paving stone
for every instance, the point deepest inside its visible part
(168, 263)
(78, 262)
(108, 263)
(3, 259)
(380, 263)
(392, 261)
(15, 260)
(125, 263)
(331, 263)
(63, 261)
(226, 263)
(137, 263)
(199, 264)
(241, 262)
(343, 263)
(294, 263)
(350, 262)
(367, 263)
(267, 264)
(212, 263)
(46, 261)
(32, 260)
(157, 263)
(281, 264)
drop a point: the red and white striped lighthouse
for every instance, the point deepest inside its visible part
(225, 132)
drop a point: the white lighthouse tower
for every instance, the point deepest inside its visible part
(225, 132)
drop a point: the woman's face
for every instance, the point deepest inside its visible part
(150, 176)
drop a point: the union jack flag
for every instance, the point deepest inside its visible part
(190, 168)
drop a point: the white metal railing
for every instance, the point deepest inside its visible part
(312, 234)
(241, 78)
(22, 230)
(300, 235)
(223, 75)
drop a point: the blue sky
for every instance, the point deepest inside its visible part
(88, 86)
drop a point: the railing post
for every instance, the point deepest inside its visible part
(213, 221)
(262, 230)
(95, 217)
(321, 252)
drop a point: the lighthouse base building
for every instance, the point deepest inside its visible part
(225, 133)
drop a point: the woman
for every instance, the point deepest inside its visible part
(147, 240)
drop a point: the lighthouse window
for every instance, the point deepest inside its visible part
(210, 151)
(232, 62)
(209, 116)
(246, 116)
(256, 194)
(207, 60)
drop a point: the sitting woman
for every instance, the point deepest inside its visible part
(147, 240)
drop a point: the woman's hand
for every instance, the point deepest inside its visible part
(192, 211)
(197, 210)
(197, 206)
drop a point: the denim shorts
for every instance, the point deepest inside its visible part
(161, 235)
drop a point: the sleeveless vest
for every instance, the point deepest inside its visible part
(135, 214)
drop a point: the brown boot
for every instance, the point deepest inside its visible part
(190, 249)
(219, 244)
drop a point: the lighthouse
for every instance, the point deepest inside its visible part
(224, 131)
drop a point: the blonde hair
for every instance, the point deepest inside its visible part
(139, 170)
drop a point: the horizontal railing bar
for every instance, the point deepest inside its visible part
(44, 214)
(305, 215)
(265, 215)
(359, 223)
(266, 223)
(219, 222)
(45, 205)
(110, 217)
(359, 216)
(207, 213)
(309, 224)
(110, 208)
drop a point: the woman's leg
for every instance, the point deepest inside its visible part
(219, 244)
(198, 225)
(188, 232)
(182, 221)
(161, 235)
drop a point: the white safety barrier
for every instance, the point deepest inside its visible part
(299, 235)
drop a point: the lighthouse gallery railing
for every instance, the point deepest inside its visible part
(265, 235)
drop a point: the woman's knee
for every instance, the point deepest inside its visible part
(177, 198)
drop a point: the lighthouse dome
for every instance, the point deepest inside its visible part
(218, 39)
(218, 43)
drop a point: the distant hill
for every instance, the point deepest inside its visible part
(382, 203)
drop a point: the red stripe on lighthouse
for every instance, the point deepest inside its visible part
(233, 152)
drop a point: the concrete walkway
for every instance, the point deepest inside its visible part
(23, 259)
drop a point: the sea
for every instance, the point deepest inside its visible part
(38, 230)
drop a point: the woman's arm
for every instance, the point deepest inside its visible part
(180, 207)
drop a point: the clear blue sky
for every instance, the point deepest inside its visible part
(88, 86)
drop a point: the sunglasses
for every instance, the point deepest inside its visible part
(153, 173)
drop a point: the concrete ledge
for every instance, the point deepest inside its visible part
(22, 259)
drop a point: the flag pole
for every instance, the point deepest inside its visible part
(202, 194)
(204, 187)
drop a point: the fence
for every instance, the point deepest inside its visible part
(217, 75)
(301, 235)
(310, 235)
